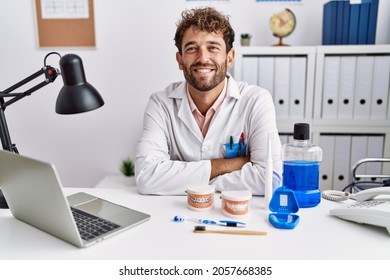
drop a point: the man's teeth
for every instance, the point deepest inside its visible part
(203, 70)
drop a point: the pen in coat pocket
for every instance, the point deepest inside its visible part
(240, 143)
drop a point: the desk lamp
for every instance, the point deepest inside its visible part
(76, 96)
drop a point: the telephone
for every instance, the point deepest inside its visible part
(366, 210)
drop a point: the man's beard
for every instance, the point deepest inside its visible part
(203, 85)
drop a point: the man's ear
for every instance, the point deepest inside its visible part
(230, 58)
(179, 60)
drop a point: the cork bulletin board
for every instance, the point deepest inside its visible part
(65, 23)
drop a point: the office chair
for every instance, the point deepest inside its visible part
(369, 180)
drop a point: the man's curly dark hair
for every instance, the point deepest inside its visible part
(205, 19)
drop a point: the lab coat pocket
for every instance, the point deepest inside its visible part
(234, 150)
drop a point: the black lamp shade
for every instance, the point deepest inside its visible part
(77, 95)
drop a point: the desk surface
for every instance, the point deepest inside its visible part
(318, 236)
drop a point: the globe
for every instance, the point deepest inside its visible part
(282, 24)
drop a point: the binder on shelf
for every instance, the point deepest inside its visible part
(282, 86)
(286, 138)
(346, 87)
(330, 87)
(283, 138)
(341, 165)
(297, 87)
(326, 143)
(345, 24)
(358, 151)
(329, 23)
(249, 69)
(380, 87)
(363, 87)
(363, 22)
(290, 138)
(349, 23)
(354, 13)
(375, 150)
(339, 22)
(266, 73)
(372, 20)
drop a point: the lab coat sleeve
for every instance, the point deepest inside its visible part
(261, 120)
(155, 172)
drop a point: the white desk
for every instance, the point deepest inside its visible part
(318, 236)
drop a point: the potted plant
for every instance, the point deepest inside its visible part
(127, 169)
(245, 39)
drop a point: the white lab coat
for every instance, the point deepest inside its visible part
(173, 154)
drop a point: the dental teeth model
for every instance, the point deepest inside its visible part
(235, 203)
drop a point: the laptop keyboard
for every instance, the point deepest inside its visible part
(91, 226)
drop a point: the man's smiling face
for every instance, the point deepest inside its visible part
(204, 60)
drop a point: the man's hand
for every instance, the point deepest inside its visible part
(221, 166)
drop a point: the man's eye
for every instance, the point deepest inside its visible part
(191, 49)
(213, 48)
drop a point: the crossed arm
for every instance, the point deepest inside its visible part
(222, 166)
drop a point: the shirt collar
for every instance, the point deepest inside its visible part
(217, 102)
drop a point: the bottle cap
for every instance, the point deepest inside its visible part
(301, 131)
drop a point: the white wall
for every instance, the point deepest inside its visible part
(134, 56)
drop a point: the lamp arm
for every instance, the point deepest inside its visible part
(50, 75)
(24, 81)
(5, 136)
(19, 96)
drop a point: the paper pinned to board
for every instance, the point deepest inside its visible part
(64, 9)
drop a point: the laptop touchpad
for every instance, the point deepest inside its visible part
(101, 208)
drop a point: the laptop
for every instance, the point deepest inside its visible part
(33, 191)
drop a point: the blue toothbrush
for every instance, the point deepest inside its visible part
(225, 223)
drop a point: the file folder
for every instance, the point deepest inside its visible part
(354, 13)
(363, 23)
(297, 87)
(341, 165)
(282, 86)
(346, 87)
(345, 25)
(249, 69)
(372, 20)
(340, 21)
(330, 87)
(375, 150)
(380, 87)
(326, 143)
(286, 138)
(358, 152)
(266, 73)
(329, 20)
(283, 138)
(363, 88)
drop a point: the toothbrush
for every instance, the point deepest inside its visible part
(268, 175)
(202, 229)
(225, 223)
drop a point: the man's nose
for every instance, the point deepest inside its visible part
(203, 55)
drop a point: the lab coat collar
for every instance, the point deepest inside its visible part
(232, 87)
(184, 111)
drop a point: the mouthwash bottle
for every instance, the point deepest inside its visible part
(301, 162)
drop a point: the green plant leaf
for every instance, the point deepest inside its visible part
(127, 167)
